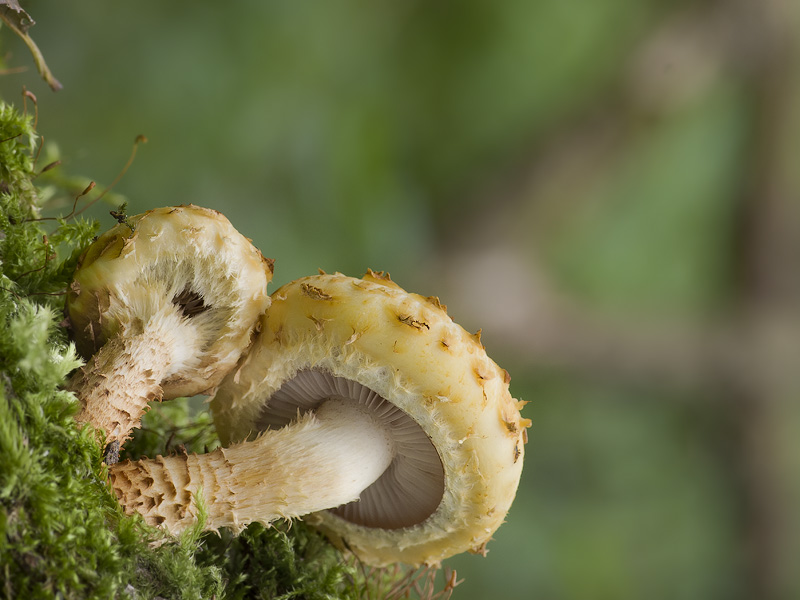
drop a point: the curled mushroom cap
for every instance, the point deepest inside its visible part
(456, 433)
(164, 303)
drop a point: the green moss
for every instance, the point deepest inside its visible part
(57, 519)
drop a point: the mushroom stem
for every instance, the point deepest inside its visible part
(115, 389)
(322, 461)
(119, 381)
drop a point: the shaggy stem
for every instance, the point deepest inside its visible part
(117, 383)
(322, 461)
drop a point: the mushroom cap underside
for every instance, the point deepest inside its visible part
(185, 261)
(405, 349)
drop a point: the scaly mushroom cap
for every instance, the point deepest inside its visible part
(183, 261)
(459, 434)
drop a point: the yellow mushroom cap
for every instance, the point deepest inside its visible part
(373, 338)
(186, 259)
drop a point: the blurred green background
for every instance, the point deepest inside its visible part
(608, 188)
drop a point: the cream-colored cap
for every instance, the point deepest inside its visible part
(186, 256)
(333, 335)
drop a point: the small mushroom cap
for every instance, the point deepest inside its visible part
(406, 349)
(184, 259)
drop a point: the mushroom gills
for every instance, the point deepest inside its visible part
(410, 490)
(189, 302)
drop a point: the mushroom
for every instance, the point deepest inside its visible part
(162, 305)
(365, 405)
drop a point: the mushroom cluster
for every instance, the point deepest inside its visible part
(360, 406)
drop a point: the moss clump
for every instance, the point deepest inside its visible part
(54, 508)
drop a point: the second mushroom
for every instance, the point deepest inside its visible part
(365, 405)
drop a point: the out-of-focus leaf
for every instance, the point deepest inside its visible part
(20, 22)
(13, 13)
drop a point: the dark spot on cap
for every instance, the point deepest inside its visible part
(412, 322)
(315, 292)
